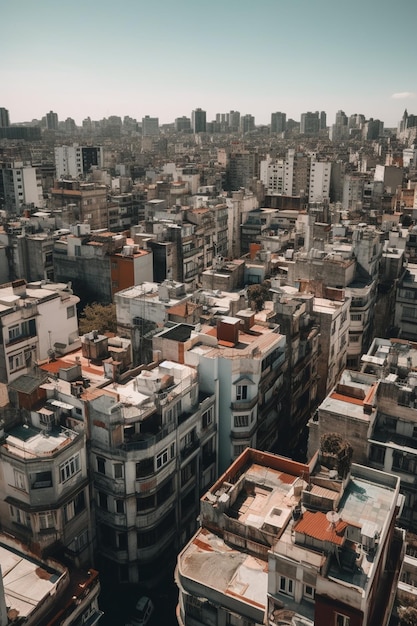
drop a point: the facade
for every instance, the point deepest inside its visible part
(242, 362)
(153, 452)
(35, 320)
(278, 122)
(150, 126)
(51, 120)
(405, 303)
(198, 121)
(76, 161)
(4, 118)
(247, 123)
(20, 187)
(81, 202)
(319, 182)
(287, 543)
(310, 123)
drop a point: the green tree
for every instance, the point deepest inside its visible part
(100, 317)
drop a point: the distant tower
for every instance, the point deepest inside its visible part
(4, 118)
(247, 123)
(52, 121)
(234, 121)
(323, 120)
(278, 122)
(150, 126)
(198, 121)
(310, 123)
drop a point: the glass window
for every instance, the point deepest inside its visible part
(69, 467)
(241, 392)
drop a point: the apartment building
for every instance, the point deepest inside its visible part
(405, 316)
(242, 362)
(81, 202)
(36, 319)
(288, 543)
(45, 488)
(44, 591)
(20, 186)
(375, 410)
(153, 452)
(76, 161)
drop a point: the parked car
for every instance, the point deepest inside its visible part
(143, 611)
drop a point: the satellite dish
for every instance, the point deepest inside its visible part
(333, 517)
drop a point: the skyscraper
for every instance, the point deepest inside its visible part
(198, 121)
(4, 118)
(278, 122)
(234, 121)
(247, 123)
(310, 123)
(150, 126)
(52, 121)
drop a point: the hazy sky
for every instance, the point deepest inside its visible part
(164, 58)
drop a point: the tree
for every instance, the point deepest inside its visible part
(100, 317)
(257, 294)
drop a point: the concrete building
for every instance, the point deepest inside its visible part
(150, 126)
(35, 320)
(51, 120)
(81, 202)
(76, 161)
(198, 121)
(153, 449)
(38, 591)
(20, 187)
(405, 317)
(143, 308)
(310, 123)
(278, 122)
(247, 123)
(4, 118)
(319, 181)
(287, 543)
(242, 362)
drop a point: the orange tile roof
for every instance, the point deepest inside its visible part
(316, 525)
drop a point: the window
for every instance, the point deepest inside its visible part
(238, 449)
(14, 332)
(241, 392)
(20, 517)
(102, 500)
(165, 456)
(74, 507)
(286, 585)
(377, 454)
(207, 417)
(241, 421)
(118, 470)
(342, 620)
(101, 465)
(309, 592)
(40, 480)
(356, 317)
(47, 519)
(144, 468)
(70, 311)
(69, 468)
(19, 480)
(120, 506)
(16, 361)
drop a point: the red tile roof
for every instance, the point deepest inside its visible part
(316, 525)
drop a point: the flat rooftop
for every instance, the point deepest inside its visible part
(28, 442)
(27, 582)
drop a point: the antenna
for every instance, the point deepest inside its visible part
(332, 517)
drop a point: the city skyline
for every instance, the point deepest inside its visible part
(149, 59)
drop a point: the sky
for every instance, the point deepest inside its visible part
(164, 58)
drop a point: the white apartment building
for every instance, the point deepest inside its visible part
(242, 362)
(19, 187)
(74, 161)
(36, 320)
(319, 183)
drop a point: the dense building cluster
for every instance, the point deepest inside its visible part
(252, 416)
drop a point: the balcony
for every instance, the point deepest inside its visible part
(150, 518)
(112, 485)
(109, 517)
(244, 405)
(189, 449)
